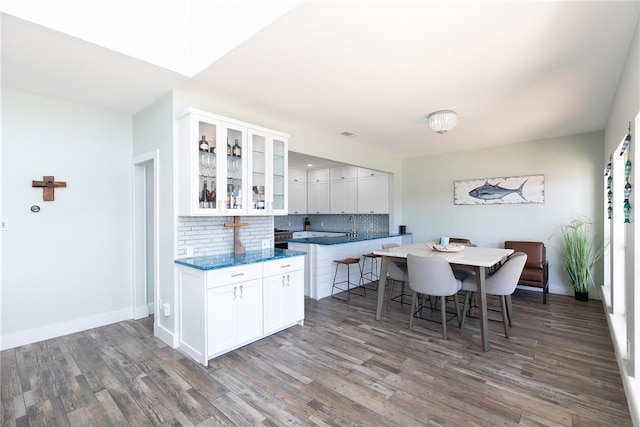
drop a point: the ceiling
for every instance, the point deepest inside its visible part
(513, 71)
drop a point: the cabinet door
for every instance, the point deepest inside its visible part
(232, 173)
(268, 173)
(344, 196)
(373, 195)
(249, 313)
(297, 197)
(221, 319)
(278, 168)
(297, 175)
(283, 300)
(318, 197)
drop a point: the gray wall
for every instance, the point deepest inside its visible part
(573, 187)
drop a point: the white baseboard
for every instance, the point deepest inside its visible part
(59, 329)
(141, 312)
(165, 335)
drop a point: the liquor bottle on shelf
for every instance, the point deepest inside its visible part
(228, 148)
(237, 150)
(204, 196)
(212, 146)
(204, 144)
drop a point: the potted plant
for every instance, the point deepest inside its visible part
(579, 252)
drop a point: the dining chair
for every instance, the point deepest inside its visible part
(432, 276)
(396, 273)
(501, 283)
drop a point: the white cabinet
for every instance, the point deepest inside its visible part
(283, 293)
(343, 172)
(222, 309)
(318, 175)
(268, 172)
(213, 177)
(297, 191)
(373, 194)
(297, 175)
(234, 316)
(344, 196)
(318, 201)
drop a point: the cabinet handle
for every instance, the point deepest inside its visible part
(288, 280)
(285, 266)
(241, 292)
(283, 282)
(235, 289)
(238, 274)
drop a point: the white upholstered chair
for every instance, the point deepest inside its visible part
(432, 276)
(501, 283)
(396, 273)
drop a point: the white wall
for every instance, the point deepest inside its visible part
(68, 267)
(153, 130)
(626, 328)
(573, 187)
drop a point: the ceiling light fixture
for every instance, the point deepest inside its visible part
(442, 121)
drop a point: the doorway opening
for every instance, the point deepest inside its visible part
(145, 235)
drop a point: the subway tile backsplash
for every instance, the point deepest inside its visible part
(209, 236)
(338, 222)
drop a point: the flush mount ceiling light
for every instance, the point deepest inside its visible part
(442, 121)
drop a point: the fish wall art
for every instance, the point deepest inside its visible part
(505, 190)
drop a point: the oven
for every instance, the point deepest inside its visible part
(281, 237)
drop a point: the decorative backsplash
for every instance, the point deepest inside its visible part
(338, 222)
(209, 236)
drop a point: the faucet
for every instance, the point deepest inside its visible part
(354, 229)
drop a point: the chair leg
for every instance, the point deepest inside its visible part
(402, 294)
(503, 306)
(455, 300)
(413, 304)
(467, 294)
(443, 310)
(545, 289)
(509, 308)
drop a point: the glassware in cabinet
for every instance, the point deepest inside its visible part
(235, 170)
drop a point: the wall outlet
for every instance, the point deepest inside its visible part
(189, 251)
(166, 309)
(266, 243)
(4, 224)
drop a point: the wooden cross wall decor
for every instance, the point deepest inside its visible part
(238, 247)
(48, 185)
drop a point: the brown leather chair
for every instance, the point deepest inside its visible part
(536, 270)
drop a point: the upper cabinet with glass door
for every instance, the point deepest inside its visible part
(219, 173)
(268, 172)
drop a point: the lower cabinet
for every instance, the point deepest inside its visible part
(223, 309)
(283, 295)
(234, 316)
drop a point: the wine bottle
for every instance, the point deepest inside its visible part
(237, 150)
(228, 148)
(203, 144)
(204, 196)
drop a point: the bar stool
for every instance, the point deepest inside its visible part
(347, 262)
(373, 275)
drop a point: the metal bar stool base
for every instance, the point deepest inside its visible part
(349, 289)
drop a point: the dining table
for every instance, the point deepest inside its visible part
(471, 258)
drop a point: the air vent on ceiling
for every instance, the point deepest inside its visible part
(348, 134)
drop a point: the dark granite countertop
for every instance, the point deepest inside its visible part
(212, 262)
(338, 240)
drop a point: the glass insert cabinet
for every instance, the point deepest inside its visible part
(227, 167)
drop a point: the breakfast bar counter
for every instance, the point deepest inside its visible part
(322, 251)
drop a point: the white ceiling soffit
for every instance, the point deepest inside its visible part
(183, 36)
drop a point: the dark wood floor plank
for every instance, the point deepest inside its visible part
(341, 368)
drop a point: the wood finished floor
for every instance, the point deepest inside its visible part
(342, 368)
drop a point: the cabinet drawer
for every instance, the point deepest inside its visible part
(230, 275)
(280, 266)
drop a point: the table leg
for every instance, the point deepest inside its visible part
(382, 283)
(482, 296)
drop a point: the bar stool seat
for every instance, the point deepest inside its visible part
(348, 262)
(373, 274)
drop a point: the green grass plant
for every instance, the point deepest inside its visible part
(579, 253)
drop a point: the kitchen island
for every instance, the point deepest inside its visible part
(322, 250)
(227, 301)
